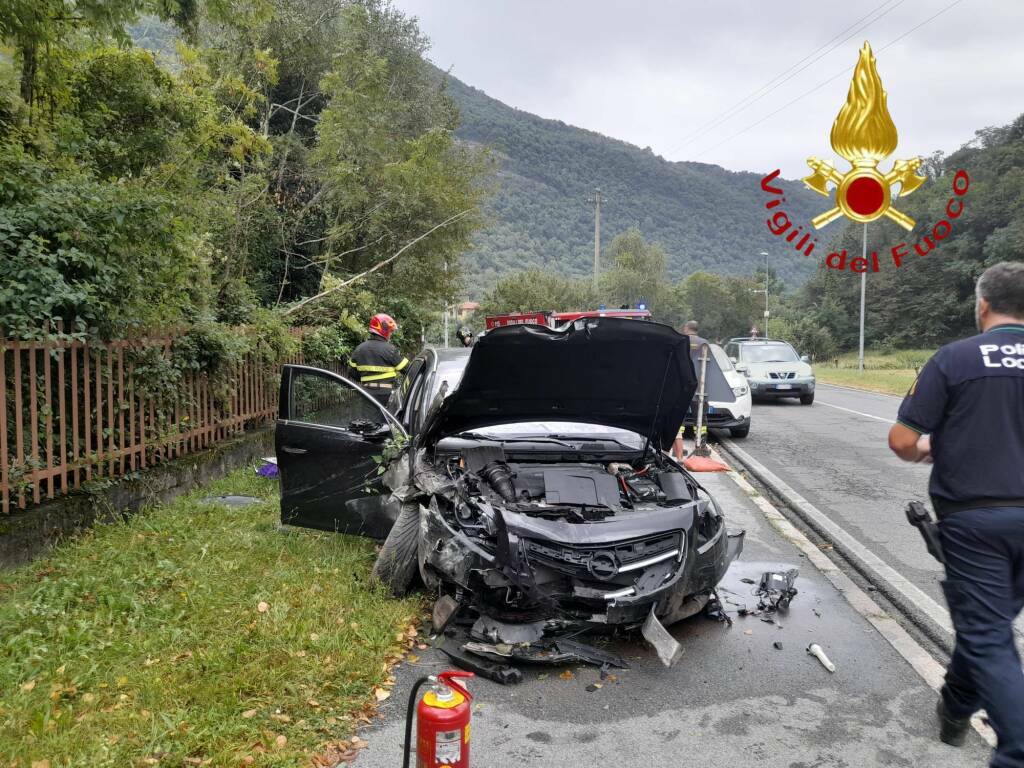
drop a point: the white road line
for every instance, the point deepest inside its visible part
(850, 410)
(919, 659)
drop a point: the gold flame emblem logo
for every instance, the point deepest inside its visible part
(864, 134)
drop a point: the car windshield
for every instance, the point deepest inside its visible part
(448, 372)
(768, 353)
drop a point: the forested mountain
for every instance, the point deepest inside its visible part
(704, 216)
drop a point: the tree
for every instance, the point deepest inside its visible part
(536, 290)
(387, 158)
(639, 271)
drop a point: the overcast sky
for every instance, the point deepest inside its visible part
(661, 74)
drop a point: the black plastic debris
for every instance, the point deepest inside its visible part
(776, 590)
(445, 607)
(777, 645)
(499, 673)
(715, 610)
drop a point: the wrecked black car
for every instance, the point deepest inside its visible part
(525, 480)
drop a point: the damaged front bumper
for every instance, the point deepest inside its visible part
(610, 574)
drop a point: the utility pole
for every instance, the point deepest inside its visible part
(765, 254)
(596, 200)
(863, 288)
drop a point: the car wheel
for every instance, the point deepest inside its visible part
(807, 399)
(739, 432)
(397, 562)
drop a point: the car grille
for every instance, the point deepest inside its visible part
(605, 562)
(783, 374)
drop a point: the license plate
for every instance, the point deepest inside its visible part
(783, 386)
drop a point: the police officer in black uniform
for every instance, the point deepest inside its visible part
(965, 412)
(377, 362)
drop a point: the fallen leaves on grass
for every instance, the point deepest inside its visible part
(263, 606)
(249, 713)
(381, 694)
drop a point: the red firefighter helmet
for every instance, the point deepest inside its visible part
(383, 325)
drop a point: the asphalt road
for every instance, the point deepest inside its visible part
(835, 454)
(733, 699)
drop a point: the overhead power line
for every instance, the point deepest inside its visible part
(823, 83)
(756, 95)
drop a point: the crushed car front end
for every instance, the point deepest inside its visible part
(597, 542)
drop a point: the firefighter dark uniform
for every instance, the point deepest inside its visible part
(376, 362)
(970, 399)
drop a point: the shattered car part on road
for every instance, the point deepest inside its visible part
(535, 498)
(776, 590)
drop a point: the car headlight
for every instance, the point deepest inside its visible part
(741, 390)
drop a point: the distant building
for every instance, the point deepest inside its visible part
(466, 310)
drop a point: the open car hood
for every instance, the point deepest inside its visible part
(629, 374)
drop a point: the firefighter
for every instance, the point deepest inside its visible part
(465, 336)
(377, 362)
(964, 414)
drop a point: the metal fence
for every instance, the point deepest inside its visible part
(73, 413)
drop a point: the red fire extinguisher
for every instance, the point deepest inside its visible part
(442, 722)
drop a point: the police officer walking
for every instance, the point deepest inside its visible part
(965, 413)
(377, 362)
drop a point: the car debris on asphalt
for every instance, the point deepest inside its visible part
(816, 651)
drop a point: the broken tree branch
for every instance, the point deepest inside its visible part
(377, 266)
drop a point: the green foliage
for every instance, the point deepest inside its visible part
(638, 273)
(391, 169)
(722, 306)
(535, 290)
(104, 257)
(332, 343)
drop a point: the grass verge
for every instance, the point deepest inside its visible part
(889, 372)
(891, 382)
(194, 634)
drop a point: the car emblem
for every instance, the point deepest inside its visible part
(603, 565)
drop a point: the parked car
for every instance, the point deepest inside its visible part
(524, 479)
(773, 369)
(728, 394)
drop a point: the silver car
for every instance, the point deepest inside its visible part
(773, 369)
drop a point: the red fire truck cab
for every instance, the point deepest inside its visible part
(556, 319)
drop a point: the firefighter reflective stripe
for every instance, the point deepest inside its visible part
(378, 372)
(377, 377)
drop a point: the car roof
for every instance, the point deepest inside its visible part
(748, 340)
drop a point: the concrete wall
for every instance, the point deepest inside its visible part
(26, 534)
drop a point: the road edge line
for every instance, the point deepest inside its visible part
(937, 624)
(922, 662)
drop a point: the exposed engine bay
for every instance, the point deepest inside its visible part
(519, 541)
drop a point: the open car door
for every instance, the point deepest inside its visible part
(329, 432)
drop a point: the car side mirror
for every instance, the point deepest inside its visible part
(804, 359)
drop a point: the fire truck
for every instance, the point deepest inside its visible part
(557, 319)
